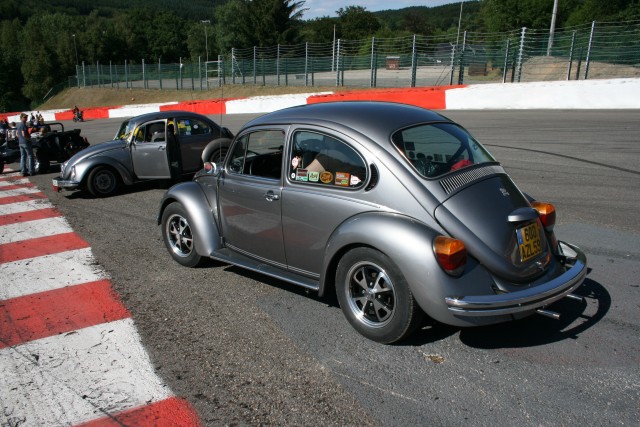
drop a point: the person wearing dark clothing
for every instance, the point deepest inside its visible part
(26, 150)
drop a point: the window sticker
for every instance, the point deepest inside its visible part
(354, 180)
(342, 179)
(326, 177)
(314, 176)
(302, 175)
(295, 162)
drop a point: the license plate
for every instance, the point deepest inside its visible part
(529, 241)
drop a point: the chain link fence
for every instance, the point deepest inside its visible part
(595, 51)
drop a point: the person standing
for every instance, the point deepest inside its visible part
(26, 150)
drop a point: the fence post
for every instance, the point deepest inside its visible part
(98, 72)
(573, 45)
(588, 58)
(306, 64)
(521, 53)
(506, 61)
(84, 76)
(126, 75)
(461, 60)
(255, 76)
(144, 76)
(233, 63)
(414, 61)
(338, 63)
(278, 64)
(453, 63)
(372, 80)
(221, 80)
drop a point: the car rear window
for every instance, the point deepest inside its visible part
(439, 148)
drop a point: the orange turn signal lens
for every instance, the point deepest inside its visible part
(451, 254)
(547, 214)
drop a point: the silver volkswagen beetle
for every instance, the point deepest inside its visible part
(396, 208)
(159, 145)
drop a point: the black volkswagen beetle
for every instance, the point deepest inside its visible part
(397, 208)
(160, 145)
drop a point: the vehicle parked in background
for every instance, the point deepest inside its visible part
(160, 145)
(396, 208)
(51, 143)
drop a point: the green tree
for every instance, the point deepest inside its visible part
(11, 80)
(356, 22)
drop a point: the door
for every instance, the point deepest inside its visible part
(250, 197)
(149, 151)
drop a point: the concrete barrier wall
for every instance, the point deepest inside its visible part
(583, 94)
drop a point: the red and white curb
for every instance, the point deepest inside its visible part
(69, 352)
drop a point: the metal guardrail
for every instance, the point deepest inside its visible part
(598, 50)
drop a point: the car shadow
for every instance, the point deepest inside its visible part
(540, 330)
(138, 187)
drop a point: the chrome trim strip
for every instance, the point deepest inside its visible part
(255, 257)
(527, 299)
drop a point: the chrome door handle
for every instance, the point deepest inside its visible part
(271, 196)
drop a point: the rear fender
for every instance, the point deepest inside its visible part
(203, 226)
(409, 244)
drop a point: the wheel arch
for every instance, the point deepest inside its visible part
(203, 225)
(406, 241)
(84, 168)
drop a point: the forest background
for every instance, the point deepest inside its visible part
(43, 42)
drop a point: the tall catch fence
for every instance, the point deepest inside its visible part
(595, 51)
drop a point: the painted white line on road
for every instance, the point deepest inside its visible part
(30, 205)
(18, 191)
(33, 229)
(75, 377)
(14, 182)
(48, 272)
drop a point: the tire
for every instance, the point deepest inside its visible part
(374, 296)
(103, 182)
(178, 236)
(42, 163)
(218, 155)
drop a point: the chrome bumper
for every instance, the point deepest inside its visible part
(527, 299)
(61, 184)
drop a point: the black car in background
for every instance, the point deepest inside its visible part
(51, 143)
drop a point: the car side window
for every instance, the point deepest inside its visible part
(258, 153)
(192, 127)
(150, 132)
(324, 160)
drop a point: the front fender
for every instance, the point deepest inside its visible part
(84, 166)
(409, 244)
(203, 226)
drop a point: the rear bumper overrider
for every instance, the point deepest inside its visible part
(529, 299)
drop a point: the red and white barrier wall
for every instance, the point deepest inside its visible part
(581, 94)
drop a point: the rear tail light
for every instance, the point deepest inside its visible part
(451, 254)
(547, 214)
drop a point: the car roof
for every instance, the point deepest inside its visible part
(372, 118)
(167, 114)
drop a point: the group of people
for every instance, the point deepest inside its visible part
(22, 132)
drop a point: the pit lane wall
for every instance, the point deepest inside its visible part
(582, 94)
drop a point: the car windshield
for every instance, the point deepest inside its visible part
(125, 130)
(438, 148)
